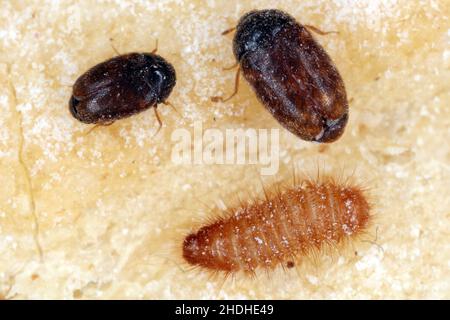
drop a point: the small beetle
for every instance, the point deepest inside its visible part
(291, 74)
(122, 86)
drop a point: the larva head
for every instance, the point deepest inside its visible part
(201, 248)
(257, 28)
(191, 249)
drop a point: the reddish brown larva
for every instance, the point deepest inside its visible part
(272, 231)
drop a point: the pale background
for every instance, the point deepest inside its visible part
(111, 207)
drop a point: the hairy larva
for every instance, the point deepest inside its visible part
(283, 226)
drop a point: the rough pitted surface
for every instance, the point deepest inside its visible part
(110, 205)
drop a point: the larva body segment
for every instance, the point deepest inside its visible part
(285, 225)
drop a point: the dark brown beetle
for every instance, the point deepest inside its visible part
(291, 74)
(122, 86)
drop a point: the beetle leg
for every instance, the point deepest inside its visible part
(104, 124)
(159, 121)
(318, 31)
(228, 31)
(231, 67)
(167, 103)
(156, 47)
(114, 48)
(236, 88)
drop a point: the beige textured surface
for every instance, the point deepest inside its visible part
(111, 207)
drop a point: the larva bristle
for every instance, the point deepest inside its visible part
(285, 224)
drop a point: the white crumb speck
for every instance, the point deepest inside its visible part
(415, 230)
(312, 279)
(371, 260)
(259, 240)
